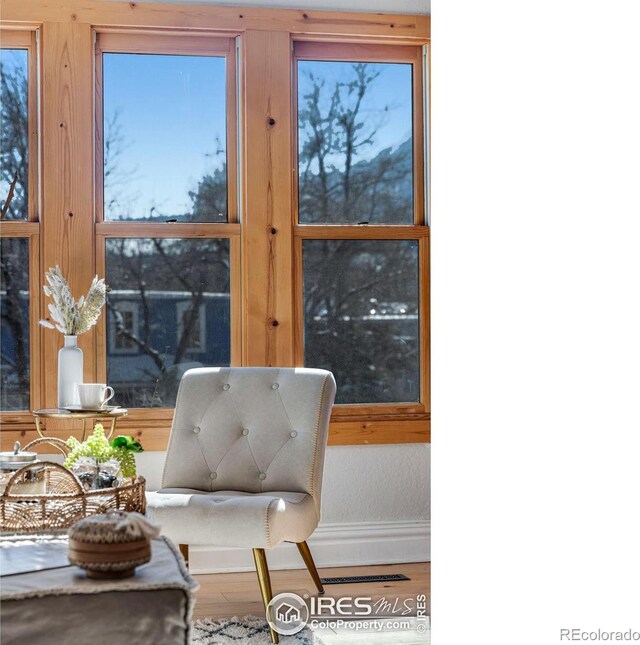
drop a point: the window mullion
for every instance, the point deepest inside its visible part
(267, 271)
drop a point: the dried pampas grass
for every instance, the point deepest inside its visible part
(70, 317)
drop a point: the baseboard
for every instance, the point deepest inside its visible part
(332, 545)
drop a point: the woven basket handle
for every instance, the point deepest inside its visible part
(72, 483)
(58, 444)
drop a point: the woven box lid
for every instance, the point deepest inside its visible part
(113, 528)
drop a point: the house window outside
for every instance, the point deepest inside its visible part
(191, 323)
(123, 328)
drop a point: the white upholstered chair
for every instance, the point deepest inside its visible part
(244, 462)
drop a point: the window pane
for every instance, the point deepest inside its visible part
(14, 177)
(14, 303)
(153, 284)
(355, 143)
(361, 308)
(165, 152)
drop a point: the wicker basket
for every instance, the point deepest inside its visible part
(60, 445)
(64, 501)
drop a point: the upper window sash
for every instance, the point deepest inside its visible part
(205, 45)
(28, 40)
(367, 53)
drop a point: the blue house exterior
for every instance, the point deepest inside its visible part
(131, 369)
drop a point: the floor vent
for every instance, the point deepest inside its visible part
(349, 579)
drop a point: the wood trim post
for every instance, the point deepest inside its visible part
(67, 135)
(267, 264)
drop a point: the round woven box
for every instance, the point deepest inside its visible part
(111, 545)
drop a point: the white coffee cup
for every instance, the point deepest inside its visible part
(94, 395)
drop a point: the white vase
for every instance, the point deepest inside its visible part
(69, 372)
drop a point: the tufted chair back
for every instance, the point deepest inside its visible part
(251, 429)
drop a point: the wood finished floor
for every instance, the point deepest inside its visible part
(223, 595)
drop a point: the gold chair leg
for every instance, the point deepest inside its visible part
(303, 547)
(184, 550)
(260, 559)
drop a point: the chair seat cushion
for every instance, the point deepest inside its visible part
(232, 518)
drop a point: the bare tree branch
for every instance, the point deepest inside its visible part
(7, 202)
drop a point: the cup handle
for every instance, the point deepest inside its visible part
(108, 398)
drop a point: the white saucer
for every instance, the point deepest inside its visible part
(79, 408)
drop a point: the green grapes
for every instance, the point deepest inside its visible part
(97, 447)
(127, 461)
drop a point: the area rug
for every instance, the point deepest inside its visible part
(244, 631)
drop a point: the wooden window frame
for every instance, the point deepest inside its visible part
(29, 228)
(369, 53)
(29, 231)
(177, 44)
(28, 39)
(414, 415)
(265, 255)
(163, 42)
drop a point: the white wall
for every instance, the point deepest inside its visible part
(376, 483)
(373, 6)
